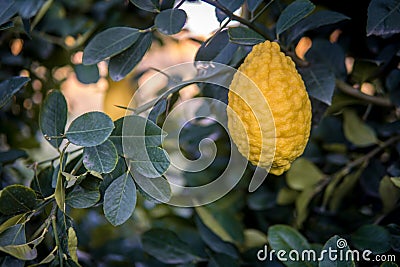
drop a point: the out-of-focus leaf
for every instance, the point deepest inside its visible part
(17, 199)
(390, 194)
(253, 4)
(395, 181)
(302, 205)
(10, 87)
(12, 155)
(170, 21)
(314, 21)
(363, 70)
(344, 188)
(372, 237)
(7, 10)
(157, 189)
(120, 199)
(356, 131)
(244, 36)
(148, 5)
(151, 163)
(340, 245)
(27, 8)
(87, 73)
(101, 158)
(109, 43)
(166, 246)
(292, 14)
(222, 260)
(286, 196)
(53, 117)
(393, 86)
(123, 63)
(383, 17)
(90, 129)
(303, 174)
(254, 238)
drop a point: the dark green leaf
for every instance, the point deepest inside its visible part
(13, 242)
(363, 70)
(214, 241)
(10, 87)
(151, 163)
(244, 36)
(217, 49)
(123, 63)
(159, 108)
(292, 14)
(284, 237)
(390, 194)
(166, 246)
(11, 261)
(12, 155)
(81, 198)
(120, 199)
(336, 243)
(53, 117)
(231, 5)
(17, 199)
(109, 43)
(119, 170)
(329, 54)
(28, 8)
(90, 129)
(356, 130)
(170, 21)
(253, 4)
(41, 183)
(222, 260)
(157, 189)
(371, 237)
(148, 5)
(7, 11)
(87, 73)
(133, 133)
(101, 158)
(3, 27)
(383, 17)
(314, 21)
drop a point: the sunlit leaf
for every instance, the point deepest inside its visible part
(72, 244)
(303, 174)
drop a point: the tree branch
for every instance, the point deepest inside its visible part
(377, 100)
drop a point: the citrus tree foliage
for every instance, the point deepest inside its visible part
(64, 211)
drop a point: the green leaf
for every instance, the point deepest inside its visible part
(214, 241)
(87, 73)
(231, 5)
(109, 43)
(314, 21)
(303, 174)
(10, 87)
(344, 188)
(254, 238)
(17, 199)
(90, 129)
(72, 244)
(120, 199)
(20, 218)
(53, 117)
(59, 193)
(395, 181)
(166, 246)
(244, 36)
(148, 5)
(170, 21)
(132, 131)
(123, 63)
(222, 222)
(151, 163)
(7, 11)
(41, 182)
(222, 260)
(336, 243)
(319, 81)
(286, 238)
(253, 4)
(383, 17)
(11, 155)
(81, 198)
(154, 188)
(372, 237)
(292, 14)
(13, 242)
(388, 264)
(27, 8)
(356, 131)
(390, 194)
(286, 196)
(302, 203)
(101, 158)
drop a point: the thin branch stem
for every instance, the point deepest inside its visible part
(348, 89)
(58, 244)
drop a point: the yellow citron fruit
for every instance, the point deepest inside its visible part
(275, 116)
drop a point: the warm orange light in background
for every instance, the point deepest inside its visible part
(16, 46)
(368, 88)
(333, 38)
(302, 47)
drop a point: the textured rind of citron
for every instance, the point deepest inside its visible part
(283, 89)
